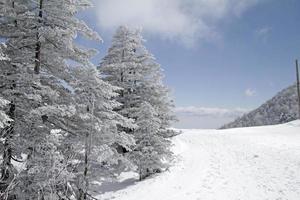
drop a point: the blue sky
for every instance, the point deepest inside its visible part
(219, 56)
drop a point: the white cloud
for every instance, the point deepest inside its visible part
(250, 92)
(205, 117)
(211, 112)
(263, 33)
(185, 21)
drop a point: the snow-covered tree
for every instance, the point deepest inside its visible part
(39, 37)
(95, 125)
(156, 93)
(147, 154)
(121, 69)
(131, 67)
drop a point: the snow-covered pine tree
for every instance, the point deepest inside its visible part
(130, 66)
(96, 124)
(149, 147)
(39, 37)
(120, 68)
(156, 93)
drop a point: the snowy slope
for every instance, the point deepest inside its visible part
(282, 108)
(244, 163)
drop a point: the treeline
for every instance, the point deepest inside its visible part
(64, 126)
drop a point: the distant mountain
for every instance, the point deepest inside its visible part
(281, 108)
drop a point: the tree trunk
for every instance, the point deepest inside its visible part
(38, 43)
(85, 173)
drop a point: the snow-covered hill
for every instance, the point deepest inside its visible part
(244, 163)
(281, 108)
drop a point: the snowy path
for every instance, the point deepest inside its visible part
(260, 163)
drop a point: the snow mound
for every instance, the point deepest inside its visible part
(242, 163)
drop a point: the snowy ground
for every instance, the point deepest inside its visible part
(261, 163)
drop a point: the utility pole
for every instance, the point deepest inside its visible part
(298, 88)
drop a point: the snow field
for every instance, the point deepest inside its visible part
(260, 163)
